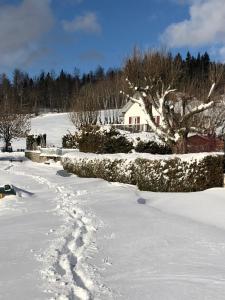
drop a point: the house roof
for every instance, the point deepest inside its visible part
(128, 105)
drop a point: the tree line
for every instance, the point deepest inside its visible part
(96, 90)
(180, 89)
(52, 92)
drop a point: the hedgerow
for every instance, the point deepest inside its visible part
(94, 139)
(158, 175)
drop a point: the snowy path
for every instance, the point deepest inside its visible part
(72, 238)
(65, 267)
(62, 260)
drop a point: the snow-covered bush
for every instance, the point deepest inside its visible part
(111, 170)
(69, 141)
(152, 147)
(114, 142)
(186, 173)
(94, 139)
(177, 175)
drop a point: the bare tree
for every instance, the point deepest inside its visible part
(84, 110)
(13, 126)
(94, 97)
(184, 103)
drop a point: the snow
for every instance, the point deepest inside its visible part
(43, 233)
(143, 136)
(190, 157)
(64, 237)
(55, 125)
(211, 90)
(207, 207)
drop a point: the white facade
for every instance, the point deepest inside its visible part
(134, 115)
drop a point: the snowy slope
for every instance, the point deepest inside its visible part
(55, 125)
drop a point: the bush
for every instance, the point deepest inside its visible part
(163, 175)
(95, 140)
(177, 175)
(107, 169)
(152, 147)
(114, 142)
(89, 139)
(69, 141)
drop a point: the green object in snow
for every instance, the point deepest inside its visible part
(7, 190)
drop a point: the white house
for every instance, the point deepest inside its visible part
(133, 115)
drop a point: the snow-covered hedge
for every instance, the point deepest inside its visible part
(108, 139)
(98, 139)
(167, 173)
(152, 147)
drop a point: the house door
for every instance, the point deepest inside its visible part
(137, 120)
(157, 120)
(134, 120)
(135, 123)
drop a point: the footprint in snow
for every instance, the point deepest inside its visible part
(141, 201)
(110, 237)
(50, 231)
(106, 261)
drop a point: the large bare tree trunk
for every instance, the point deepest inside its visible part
(181, 146)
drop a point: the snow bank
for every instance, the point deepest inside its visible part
(206, 207)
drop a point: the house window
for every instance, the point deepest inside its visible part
(134, 120)
(157, 120)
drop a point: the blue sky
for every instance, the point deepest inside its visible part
(54, 34)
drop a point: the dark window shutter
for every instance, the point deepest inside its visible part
(158, 120)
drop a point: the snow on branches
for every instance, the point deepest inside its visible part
(178, 112)
(13, 126)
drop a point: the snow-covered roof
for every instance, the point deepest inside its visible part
(128, 105)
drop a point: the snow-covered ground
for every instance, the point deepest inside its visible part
(64, 237)
(55, 125)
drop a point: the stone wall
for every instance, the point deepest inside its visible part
(37, 156)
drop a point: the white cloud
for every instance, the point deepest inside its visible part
(205, 26)
(87, 23)
(21, 28)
